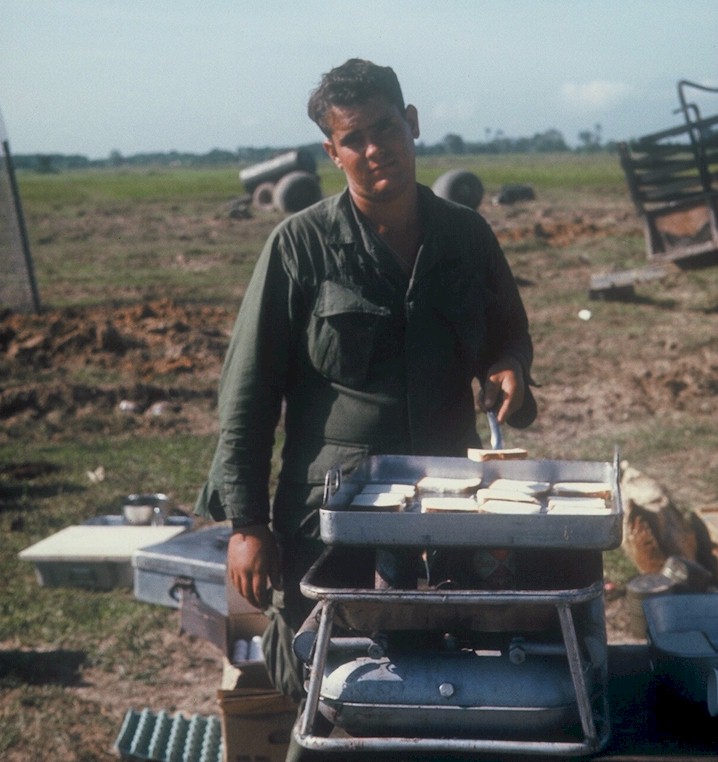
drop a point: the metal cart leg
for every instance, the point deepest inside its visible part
(319, 661)
(575, 663)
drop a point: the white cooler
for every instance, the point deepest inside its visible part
(94, 557)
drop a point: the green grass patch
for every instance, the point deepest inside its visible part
(542, 171)
(107, 186)
(182, 184)
(61, 495)
(560, 172)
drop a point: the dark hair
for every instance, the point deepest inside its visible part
(352, 83)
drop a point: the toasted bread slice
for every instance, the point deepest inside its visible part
(450, 504)
(516, 453)
(583, 506)
(448, 485)
(507, 495)
(582, 489)
(407, 490)
(383, 501)
(525, 486)
(510, 506)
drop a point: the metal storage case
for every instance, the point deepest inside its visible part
(682, 634)
(195, 561)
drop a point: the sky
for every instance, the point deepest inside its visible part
(92, 77)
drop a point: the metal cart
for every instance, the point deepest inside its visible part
(519, 667)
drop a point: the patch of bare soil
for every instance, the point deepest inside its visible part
(184, 680)
(136, 367)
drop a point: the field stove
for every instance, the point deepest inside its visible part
(458, 631)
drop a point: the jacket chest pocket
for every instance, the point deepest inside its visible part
(462, 306)
(342, 333)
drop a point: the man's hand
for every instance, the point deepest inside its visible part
(253, 563)
(504, 385)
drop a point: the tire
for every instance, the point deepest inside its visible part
(296, 191)
(461, 187)
(263, 197)
(510, 194)
(272, 170)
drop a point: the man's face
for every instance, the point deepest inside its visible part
(373, 144)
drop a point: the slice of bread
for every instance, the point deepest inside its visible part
(448, 485)
(407, 490)
(510, 506)
(450, 504)
(577, 505)
(582, 489)
(384, 501)
(526, 486)
(479, 455)
(507, 495)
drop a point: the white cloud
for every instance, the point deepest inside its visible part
(595, 95)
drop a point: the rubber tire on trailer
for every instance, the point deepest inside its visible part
(296, 191)
(263, 197)
(461, 186)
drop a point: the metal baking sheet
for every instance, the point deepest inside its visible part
(341, 524)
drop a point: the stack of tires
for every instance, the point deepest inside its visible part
(287, 182)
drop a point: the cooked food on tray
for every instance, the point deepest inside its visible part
(478, 454)
(384, 500)
(587, 489)
(443, 504)
(510, 506)
(507, 495)
(577, 505)
(448, 485)
(407, 490)
(528, 486)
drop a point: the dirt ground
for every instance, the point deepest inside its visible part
(159, 363)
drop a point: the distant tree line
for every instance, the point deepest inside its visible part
(495, 142)
(52, 163)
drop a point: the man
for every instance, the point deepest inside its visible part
(368, 316)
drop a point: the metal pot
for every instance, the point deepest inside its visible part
(146, 509)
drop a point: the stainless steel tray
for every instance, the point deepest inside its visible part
(342, 524)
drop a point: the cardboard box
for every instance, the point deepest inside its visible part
(223, 631)
(256, 725)
(256, 720)
(709, 516)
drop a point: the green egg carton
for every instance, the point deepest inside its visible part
(146, 736)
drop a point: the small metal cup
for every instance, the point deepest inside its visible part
(146, 509)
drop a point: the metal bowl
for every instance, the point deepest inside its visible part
(145, 509)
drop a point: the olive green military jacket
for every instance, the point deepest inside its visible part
(359, 358)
